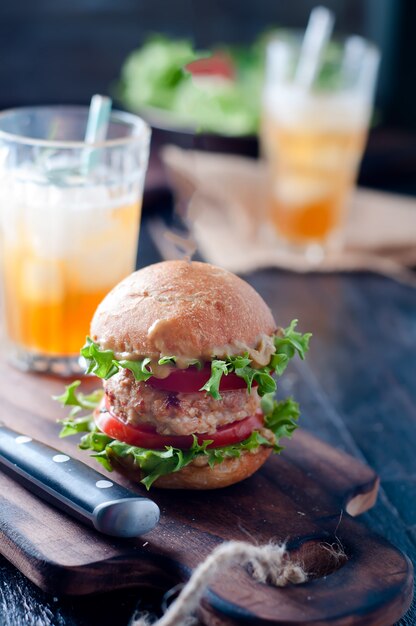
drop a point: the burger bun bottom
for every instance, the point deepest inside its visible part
(192, 476)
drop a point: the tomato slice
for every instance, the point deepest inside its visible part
(192, 379)
(145, 435)
(218, 64)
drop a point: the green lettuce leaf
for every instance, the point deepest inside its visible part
(140, 369)
(292, 342)
(171, 360)
(74, 398)
(167, 360)
(218, 369)
(102, 363)
(251, 444)
(240, 366)
(280, 417)
(79, 403)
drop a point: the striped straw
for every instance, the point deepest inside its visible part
(318, 33)
(97, 127)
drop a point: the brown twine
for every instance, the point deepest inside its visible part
(270, 563)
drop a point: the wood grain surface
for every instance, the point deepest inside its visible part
(356, 390)
(298, 497)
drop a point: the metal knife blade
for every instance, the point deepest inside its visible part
(74, 487)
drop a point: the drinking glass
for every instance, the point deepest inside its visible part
(313, 137)
(69, 224)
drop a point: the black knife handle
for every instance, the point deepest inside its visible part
(74, 487)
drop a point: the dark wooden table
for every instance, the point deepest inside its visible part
(357, 391)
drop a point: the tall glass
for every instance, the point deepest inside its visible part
(69, 224)
(313, 138)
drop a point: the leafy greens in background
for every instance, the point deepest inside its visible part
(154, 76)
(152, 73)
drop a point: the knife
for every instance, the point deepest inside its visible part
(74, 487)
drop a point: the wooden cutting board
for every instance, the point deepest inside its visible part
(305, 497)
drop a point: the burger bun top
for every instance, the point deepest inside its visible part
(190, 310)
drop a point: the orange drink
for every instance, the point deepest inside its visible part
(69, 225)
(311, 172)
(313, 139)
(51, 293)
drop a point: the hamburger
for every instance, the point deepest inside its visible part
(188, 354)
